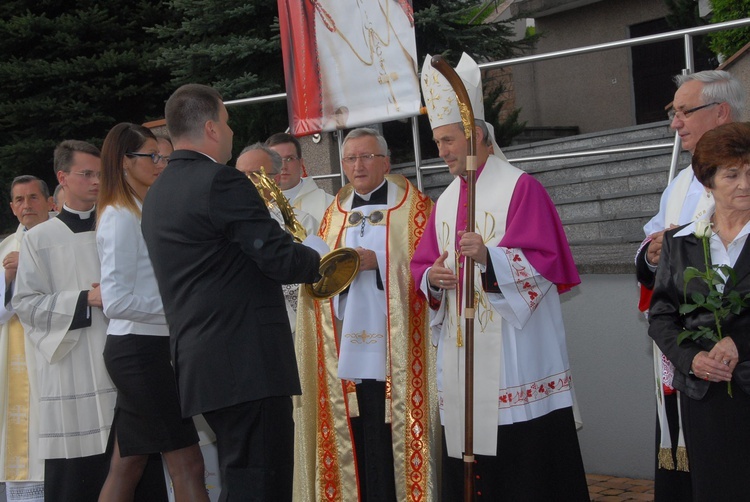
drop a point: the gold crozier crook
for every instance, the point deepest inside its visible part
(467, 119)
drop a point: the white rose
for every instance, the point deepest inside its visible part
(702, 229)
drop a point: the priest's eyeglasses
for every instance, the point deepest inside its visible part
(88, 174)
(367, 158)
(155, 157)
(358, 218)
(291, 158)
(683, 114)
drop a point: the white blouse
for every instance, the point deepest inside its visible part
(721, 255)
(130, 294)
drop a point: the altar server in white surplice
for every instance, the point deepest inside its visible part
(59, 304)
(301, 191)
(21, 467)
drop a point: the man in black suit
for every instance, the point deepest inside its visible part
(220, 260)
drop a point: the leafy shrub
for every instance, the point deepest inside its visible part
(728, 42)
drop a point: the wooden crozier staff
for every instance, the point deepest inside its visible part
(467, 119)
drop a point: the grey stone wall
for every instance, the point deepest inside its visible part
(321, 154)
(612, 366)
(739, 66)
(592, 91)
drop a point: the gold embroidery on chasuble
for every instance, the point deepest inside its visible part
(17, 415)
(411, 405)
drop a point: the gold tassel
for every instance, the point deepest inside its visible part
(682, 459)
(665, 459)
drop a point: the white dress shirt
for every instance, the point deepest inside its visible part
(130, 294)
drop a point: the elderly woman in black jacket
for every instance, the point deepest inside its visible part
(716, 424)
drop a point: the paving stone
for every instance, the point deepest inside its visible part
(595, 478)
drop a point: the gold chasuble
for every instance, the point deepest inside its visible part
(324, 464)
(19, 394)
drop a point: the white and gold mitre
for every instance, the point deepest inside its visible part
(439, 97)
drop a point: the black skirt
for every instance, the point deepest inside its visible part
(147, 416)
(717, 437)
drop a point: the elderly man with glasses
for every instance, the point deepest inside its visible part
(366, 427)
(250, 161)
(21, 468)
(703, 101)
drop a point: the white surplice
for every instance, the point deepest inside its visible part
(33, 465)
(77, 397)
(310, 198)
(521, 367)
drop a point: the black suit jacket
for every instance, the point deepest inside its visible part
(644, 274)
(220, 260)
(666, 323)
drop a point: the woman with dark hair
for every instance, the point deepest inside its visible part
(713, 376)
(147, 416)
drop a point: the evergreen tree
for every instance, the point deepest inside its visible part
(450, 27)
(71, 70)
(234, 47)
(683, 14)
(507, 127)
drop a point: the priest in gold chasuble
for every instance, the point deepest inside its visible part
(368, 409)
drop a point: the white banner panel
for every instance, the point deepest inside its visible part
(348, 63)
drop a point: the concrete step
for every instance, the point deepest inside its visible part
(603, 200)
(596, 169)
(626, 229)
(654, 179)
(636, 135)
(606, 207)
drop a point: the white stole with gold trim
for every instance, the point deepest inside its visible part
(494, 190)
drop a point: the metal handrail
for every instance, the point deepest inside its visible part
(556, 156)
(256, 100)
(686, 34)
(593, 153)
(670, 35)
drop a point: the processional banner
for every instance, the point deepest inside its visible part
(348, 63)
